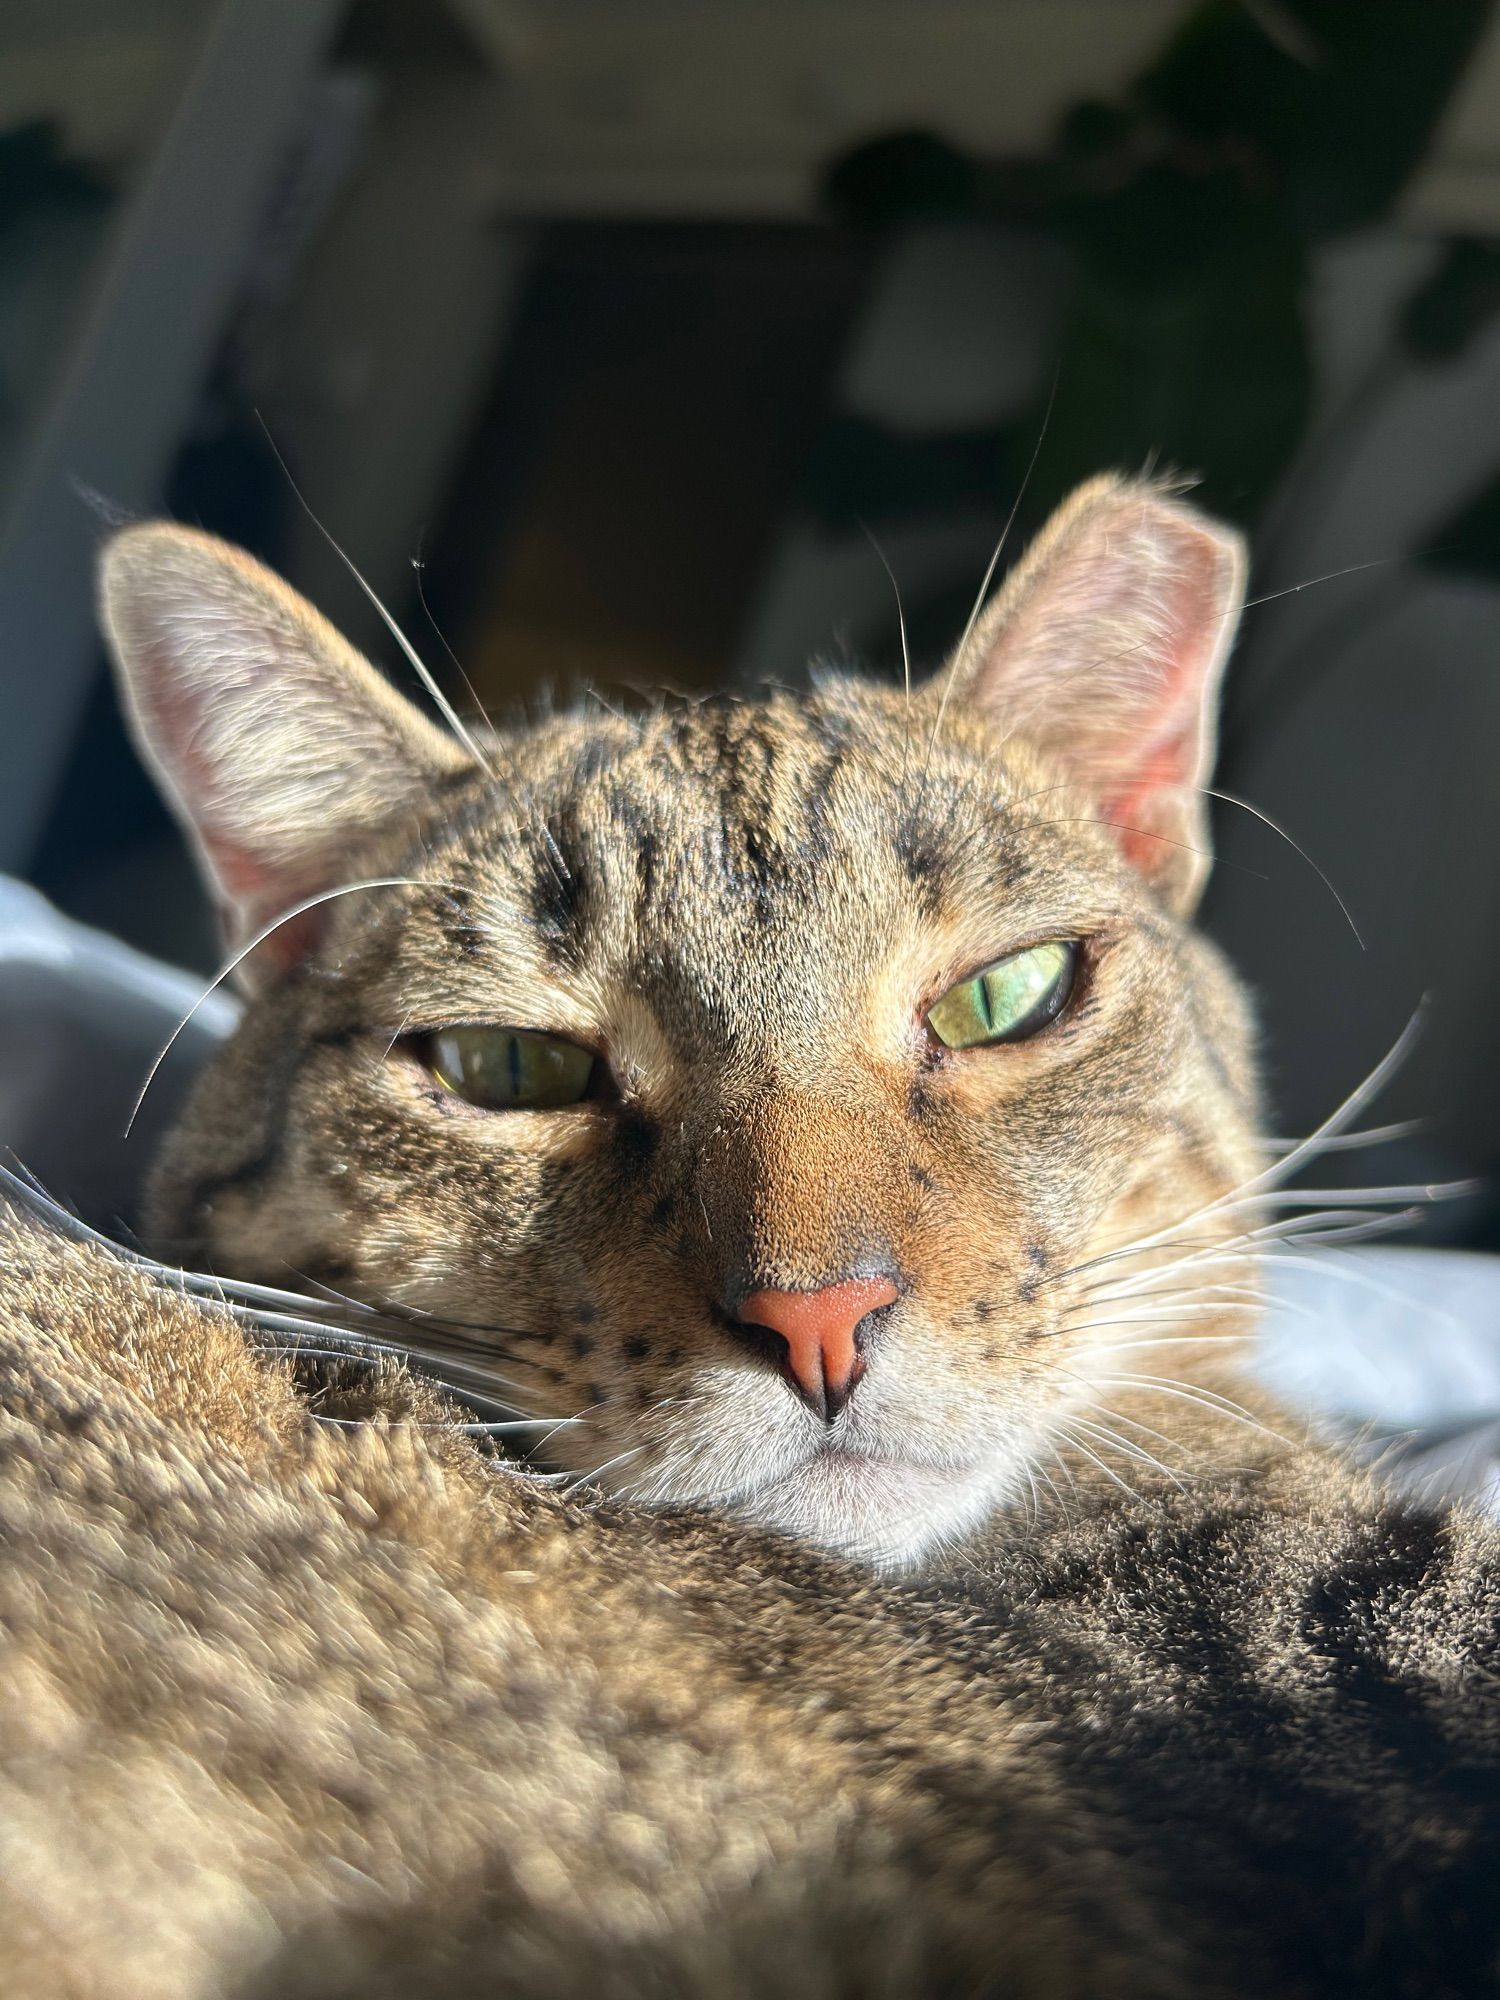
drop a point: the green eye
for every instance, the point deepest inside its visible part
(510, 1069)
(1009, 1000)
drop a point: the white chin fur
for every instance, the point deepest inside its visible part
(880, 1511)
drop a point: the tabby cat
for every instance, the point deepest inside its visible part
(818, 1109)
(799, 1108)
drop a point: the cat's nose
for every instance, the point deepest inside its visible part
(823, 1361)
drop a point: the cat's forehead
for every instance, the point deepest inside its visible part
(789, 764)
(776, 759)
(746, 811)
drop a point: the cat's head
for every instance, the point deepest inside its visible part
(760, 1082)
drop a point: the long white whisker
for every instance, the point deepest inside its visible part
(1370, 1197)
(1118, 1417)
(1063, 1431)
(597, 1472)
(1349, 1273)
(1208, 1399)
(1328, 1226)
(233, 965)
(351, 1331)
(900, 612)
(1165, 1304)
(480, 1427)
(984, 587)
(1105, 1437)
(1282, 1169)
(424, 674)
(1334, 1125)
(1266, 820)
(1087, 1326)
(1348, 1142)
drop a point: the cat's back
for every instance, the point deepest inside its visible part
(1287, 1682)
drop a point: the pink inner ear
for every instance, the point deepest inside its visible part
(251, 894)
(1156, 791)
(1160, 774)
(257, 899)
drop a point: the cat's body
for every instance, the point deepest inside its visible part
(291, 1711)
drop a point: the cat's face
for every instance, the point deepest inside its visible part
(652, 1053)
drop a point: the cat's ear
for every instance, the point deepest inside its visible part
(1105, 650)
(279, 748)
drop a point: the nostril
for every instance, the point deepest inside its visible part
(820, 1331)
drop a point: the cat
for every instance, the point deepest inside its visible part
(823, 1094)
(333, 1711)
(819, 1109)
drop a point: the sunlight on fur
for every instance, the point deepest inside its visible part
(743, 912)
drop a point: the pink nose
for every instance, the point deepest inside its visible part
(819, 1328)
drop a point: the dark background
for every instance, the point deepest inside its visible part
(623, 328)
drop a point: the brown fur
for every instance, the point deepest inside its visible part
(296, 1711)
(747, 908)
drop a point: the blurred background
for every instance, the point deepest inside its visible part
(608, 337)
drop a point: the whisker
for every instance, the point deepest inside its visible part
(1119, 1417)
(900, 613)
(419, 569)
(485, 1427)
(597, 1472)
(353, 1330)
(1187, 1298)
(1433, 1191)
(1146, 833)
(1266, 820)
(423, 672)
(1334, 1125)
(1078, 1445)
(1166, 1340)
(1105, 1437)
(1208, 1399)
(1349, 1273)
(1324, 1226)
(1348, 1142)
(984, 588)
(581, 1417)
(1061, 1465)
(1128, 1252)
(593, 694)
(297, 910)
(1283, 1169)
(1204, 791)
(1157, 1340)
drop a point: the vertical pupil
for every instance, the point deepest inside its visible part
(982, 1004)
(506, 1068)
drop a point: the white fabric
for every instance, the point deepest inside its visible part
(82, 1017)
(1399, 1348)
